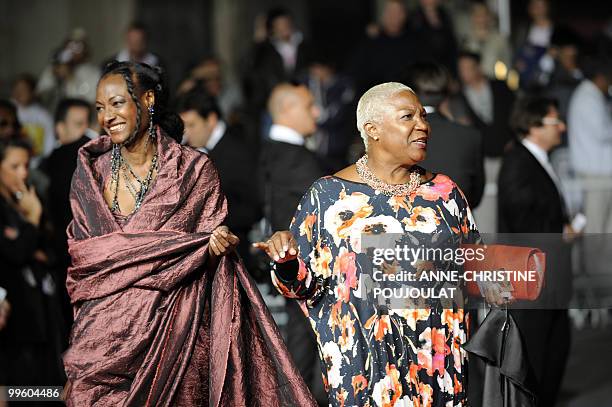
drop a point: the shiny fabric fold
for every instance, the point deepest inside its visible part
(508, 381)
(155, 325)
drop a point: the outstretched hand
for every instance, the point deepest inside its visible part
(281, 247)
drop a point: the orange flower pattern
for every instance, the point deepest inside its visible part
(373, 356)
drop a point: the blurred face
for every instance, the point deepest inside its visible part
(8, 124)
(282, 28)
(136, 42)
(538, 9)
(393, 18)
(404, 131)
(469, 70)
(480, 16)
(116, 110)
(14, 169)
(197, 128)
(429, 3)
(301, 113)
(549, 134)
(74, 126)
(209, 73)
(22, 93)
(568, 56)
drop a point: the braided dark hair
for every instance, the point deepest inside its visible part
(140, 78)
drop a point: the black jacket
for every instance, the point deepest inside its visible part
(236, 162)
(497, 134)
(456, 150)
(287, 172)
(59, 167)
(531, 213)
(528, 200)
(265, 69)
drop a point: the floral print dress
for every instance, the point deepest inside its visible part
(372, 355)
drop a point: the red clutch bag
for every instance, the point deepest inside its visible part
(509, 258)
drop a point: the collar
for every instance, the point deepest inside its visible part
(296, 39)
(286, 134)
(216, 135)
(538, 152)
(148, 58)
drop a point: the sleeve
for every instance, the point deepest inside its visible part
(468, 229)
(515, 196)
(298, 279)
(17, 244)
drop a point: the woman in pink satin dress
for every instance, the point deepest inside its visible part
(165, 313)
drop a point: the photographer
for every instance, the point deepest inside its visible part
(70, 75)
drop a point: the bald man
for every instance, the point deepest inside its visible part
(289, 168)
(288, 171)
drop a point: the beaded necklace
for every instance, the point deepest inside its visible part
(377, 184)
(120, 166)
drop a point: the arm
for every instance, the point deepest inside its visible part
(492, 292)
(294, 250)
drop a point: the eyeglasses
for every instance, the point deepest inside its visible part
(552, 121)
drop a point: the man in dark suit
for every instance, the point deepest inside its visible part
(530, 202)
(288, 167)
(288, 170)
(489, 103)
(72, 119)
(454, 149)
(281, 57)
(233, 157)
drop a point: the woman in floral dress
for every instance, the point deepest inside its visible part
(373, 355)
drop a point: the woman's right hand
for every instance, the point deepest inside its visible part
(496, 294)
(29, 204)
(281, 247)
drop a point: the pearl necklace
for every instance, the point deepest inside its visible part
(388, 189)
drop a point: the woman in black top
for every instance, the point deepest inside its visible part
(31, 340)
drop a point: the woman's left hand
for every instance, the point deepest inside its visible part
(222, 242)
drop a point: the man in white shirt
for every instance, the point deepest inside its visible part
(136, 46)
(532, 211)
(590, 143)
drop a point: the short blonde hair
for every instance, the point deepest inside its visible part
(372, 104)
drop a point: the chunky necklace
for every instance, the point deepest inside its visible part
(119, 165)
(388, 189)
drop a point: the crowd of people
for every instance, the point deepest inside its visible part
(530, 113)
